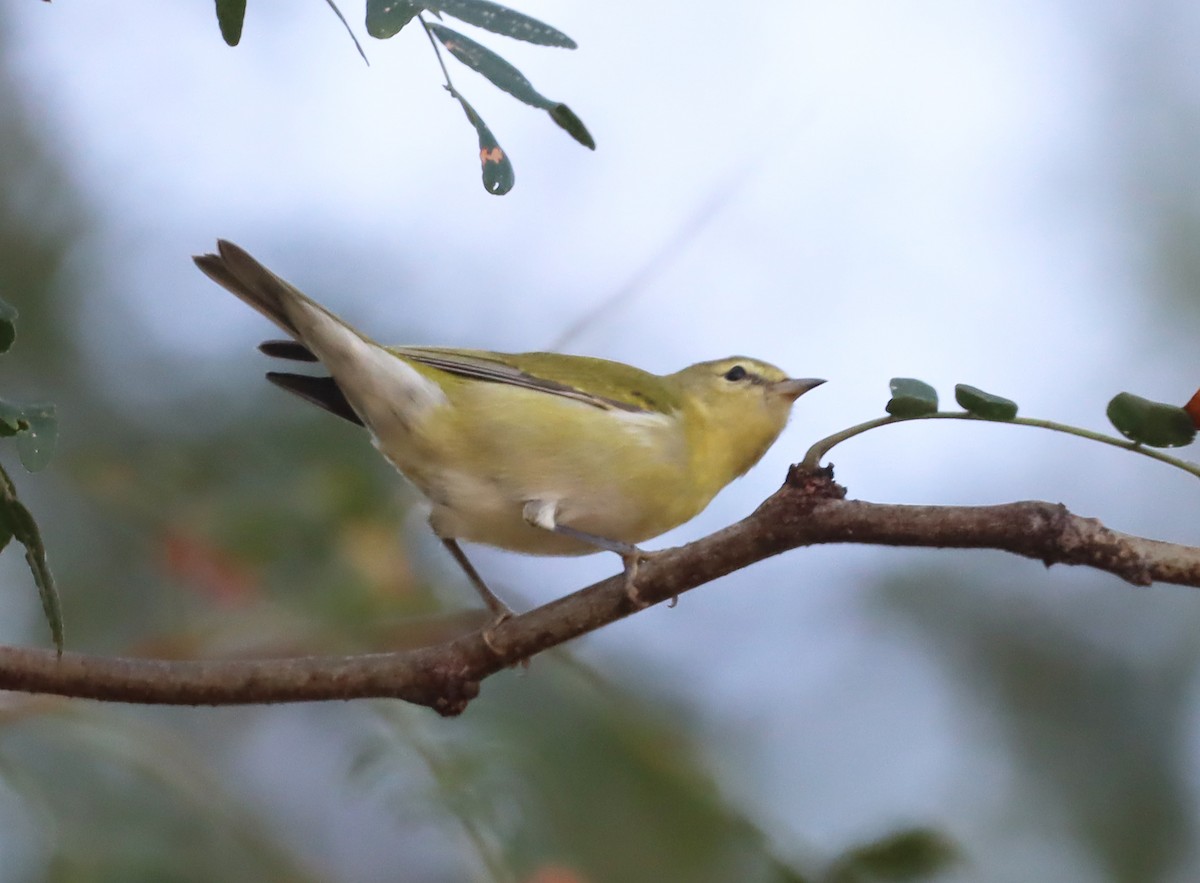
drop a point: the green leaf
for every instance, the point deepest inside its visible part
(483, 60)
(573, 125)
(498, 175)
(385, 18)
(506, 77)
(911, 398)
(230, 15)
(12, 419)
(17, 521)
(915, 854)
(8, 329)
(501, 20)
(1146, 422)
(35, 445)
(984, 404)
(36, 429)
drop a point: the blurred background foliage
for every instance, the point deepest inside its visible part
(1031, 725)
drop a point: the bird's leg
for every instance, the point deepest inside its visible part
(494, 604)
(542, 514)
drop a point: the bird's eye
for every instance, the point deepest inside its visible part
(737, 372)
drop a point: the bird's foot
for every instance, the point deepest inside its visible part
(488, 633)
(633, 559)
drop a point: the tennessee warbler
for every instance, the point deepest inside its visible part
(540, 453)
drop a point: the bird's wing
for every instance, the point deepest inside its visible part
(522, 370)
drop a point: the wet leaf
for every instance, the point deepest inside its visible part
(506, 77)
(502, 20)
(385, 18)
(35, 445)
(36, 429)
(479, 58)
(498, 175)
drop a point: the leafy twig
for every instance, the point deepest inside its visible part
(820, 449)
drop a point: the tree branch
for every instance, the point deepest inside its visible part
(810, 509)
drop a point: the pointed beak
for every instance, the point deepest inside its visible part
(793, 388)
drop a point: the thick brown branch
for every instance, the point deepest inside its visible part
(808, 510)
(436, 677)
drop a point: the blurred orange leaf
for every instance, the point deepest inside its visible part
(555, 874)
(1193, 409)
(207, 569)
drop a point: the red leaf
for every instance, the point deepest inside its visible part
(1193, 409)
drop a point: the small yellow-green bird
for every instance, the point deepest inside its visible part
(540, 453)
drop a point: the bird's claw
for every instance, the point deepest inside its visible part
(632, 561)
(487, 634)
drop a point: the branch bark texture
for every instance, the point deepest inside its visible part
(810, 509)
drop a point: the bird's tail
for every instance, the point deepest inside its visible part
(235, 270)
(369, 384)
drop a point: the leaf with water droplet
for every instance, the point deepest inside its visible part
(504, 76)
(385, 18)
(35, 445)
(502, 20)
(498, 175)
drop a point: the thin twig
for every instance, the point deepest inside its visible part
(437, 51)
(661, 259)
(820, 449)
